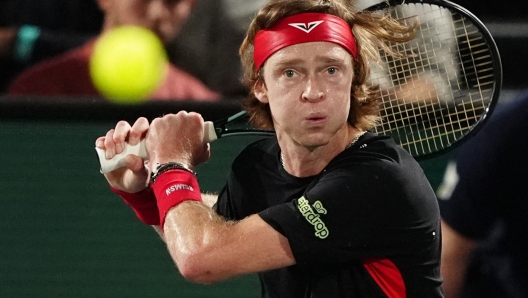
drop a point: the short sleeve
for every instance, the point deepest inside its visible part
(354, 213)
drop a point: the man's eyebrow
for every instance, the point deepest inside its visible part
(324, 58)
(331, 59)
(289, 62)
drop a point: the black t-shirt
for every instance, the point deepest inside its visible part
(367, 226)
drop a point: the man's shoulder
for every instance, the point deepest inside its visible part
(374, 147)
(376, 156)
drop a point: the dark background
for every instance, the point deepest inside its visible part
(64, 234)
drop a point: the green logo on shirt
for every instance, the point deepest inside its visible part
(312, 217)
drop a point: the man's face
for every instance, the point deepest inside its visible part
(308, 89)
(164, 17)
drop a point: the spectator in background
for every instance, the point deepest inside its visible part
(206, 47)
(243, 11)
(33, 30)
(484, 207)
(68, 74)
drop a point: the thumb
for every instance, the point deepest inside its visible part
(135, 178)
(135, 163)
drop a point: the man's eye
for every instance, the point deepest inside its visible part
(332, 70)
(289, 73)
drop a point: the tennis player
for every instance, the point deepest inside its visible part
(325, 208)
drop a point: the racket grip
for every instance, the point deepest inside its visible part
(118, 161)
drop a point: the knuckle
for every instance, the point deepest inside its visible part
(122, 123)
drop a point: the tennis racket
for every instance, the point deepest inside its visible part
(434, 97)
(446, 85)
(237, 124)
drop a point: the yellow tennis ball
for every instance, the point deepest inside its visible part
(127, 64)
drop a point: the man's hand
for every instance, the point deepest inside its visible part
(132, 178)
(178, 138)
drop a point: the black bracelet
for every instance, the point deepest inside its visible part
(162, 168)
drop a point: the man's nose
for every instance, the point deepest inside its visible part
(313, 91)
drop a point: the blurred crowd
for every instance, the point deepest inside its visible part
(45, 45)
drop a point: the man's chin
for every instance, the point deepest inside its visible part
(315, 141)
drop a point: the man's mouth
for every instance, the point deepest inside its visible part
(315, 118)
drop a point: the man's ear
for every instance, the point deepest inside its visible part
(260, 91)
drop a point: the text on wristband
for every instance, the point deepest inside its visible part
(177, 187)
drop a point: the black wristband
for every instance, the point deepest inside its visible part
(161, 168)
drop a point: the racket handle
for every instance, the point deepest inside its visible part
(118, 161)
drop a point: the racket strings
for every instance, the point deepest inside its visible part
(439, 89)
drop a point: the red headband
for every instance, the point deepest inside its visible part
(301, 28)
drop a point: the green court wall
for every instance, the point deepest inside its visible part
(64, 234)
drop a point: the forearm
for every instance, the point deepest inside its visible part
(197, 238)
(205, 246)
(208, 199)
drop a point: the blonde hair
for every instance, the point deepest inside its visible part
(371, 31)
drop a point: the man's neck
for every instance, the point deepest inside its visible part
(304, 162)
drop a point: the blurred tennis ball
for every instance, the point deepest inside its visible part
(127, 64)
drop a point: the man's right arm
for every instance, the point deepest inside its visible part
(207, 248)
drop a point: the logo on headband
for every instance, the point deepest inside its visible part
(330, 28)
(306, 27)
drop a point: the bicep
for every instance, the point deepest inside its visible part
(260, 246)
